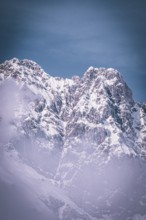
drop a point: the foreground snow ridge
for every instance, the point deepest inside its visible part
(70, 149)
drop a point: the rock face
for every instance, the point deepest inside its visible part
(86, 135)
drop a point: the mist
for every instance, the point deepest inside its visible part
(8, 101)
(22, 143)
(114, 189)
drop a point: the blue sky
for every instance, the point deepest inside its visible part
(66, 37)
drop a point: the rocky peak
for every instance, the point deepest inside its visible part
(99, 102)
(108, 83)
(20, 69)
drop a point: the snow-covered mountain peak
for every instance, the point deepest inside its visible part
(21, 68)
(107, 80)
(75, 131)
(24, 63)
(102, 71)
(108, 76)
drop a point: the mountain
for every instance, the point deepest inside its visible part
(78, 145)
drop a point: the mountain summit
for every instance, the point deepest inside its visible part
(81, 142)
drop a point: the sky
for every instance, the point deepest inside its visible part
(66, 37)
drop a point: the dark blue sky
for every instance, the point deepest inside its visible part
(66, 37)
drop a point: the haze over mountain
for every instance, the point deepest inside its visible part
(70, 148)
